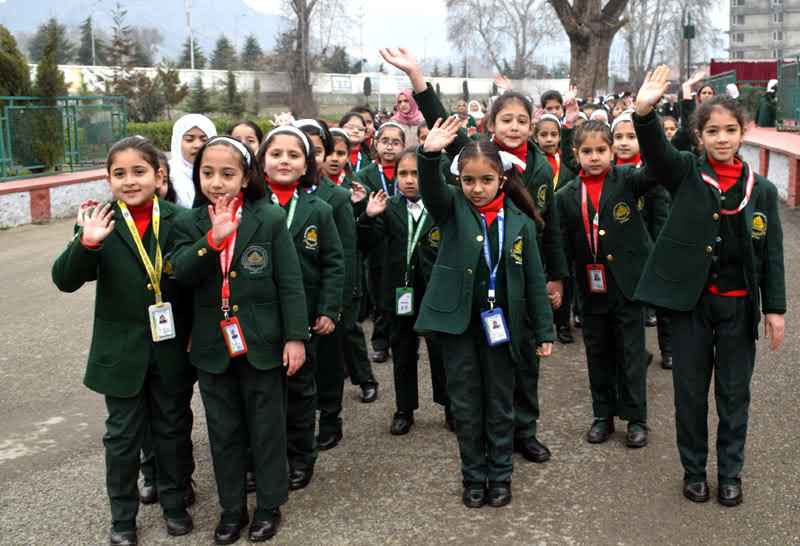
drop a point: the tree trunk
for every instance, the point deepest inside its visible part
(589, 63)
(301, 100)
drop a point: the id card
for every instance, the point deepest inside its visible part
(494, 326)
(404, 301)
(596, 275)
(162, 325)
(233, 336)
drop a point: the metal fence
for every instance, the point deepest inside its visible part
(44, 135)
(789, 97)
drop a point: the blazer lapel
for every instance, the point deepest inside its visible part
(251, 221)
(121, 229)
(749, 209)
(513, 224)
(302, 212)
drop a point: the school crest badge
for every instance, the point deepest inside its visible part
(759, 225)
(541, 196)
(622, 212)
(434, 236)
(311, 238)
(516, 250)
(167, 267)
(640, 203)
(254, 259)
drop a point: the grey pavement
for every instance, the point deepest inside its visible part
(376, 488)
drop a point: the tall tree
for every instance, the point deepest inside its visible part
(198, 99)
(64, 49)
(146, 43)
(337, 62)
(48, 146)
(449, 70)
(436, 72)
(301, 101)
(643, 36)
(171, 87)
(15, 76)
(234, 105)
(121, 49)
(224, 55)
(85, 56)
(252, 55)
(185, 60)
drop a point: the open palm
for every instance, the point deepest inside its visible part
(442, 134)
(654, 86)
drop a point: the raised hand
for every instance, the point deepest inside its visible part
(377, 203)
(442, 134)
(503, 84)
(358, 192)
(697, 77)
(401, 58)
(84, 208)
(223, 220)
(654, 86)
(97, 225)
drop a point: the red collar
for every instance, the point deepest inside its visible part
(142, 216)
(635, 160)
(388, 171)
(490, 209)
(283, 192)
(727, 175)
(354, 157)
(554, 163)
(594, 186)
(521, 151)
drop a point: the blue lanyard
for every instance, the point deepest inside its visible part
(383, 182)
(487, 254)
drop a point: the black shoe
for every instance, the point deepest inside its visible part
(666, 362)
(123, 538)
(190, 498)
(696, 491)
(648, 358)
(576, 320)
(449, 421)
(177, 527)
(474, 495)
(637, 435)
(401, 423)
(532, 449)
(228, 533)
(601, 430)
(148, 494)
(369, 392)
(651, 321)
(499, 494)
(250, 482)
(564, 335)
(730, 494)
(263, 530)
(380, 356)
(299, 478)
(328, 441)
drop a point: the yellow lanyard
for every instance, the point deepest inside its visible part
(558, 170)
(154, 273)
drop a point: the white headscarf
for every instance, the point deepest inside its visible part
(476, 115)
(180, 168)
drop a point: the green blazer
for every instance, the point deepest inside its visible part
(319, 250)
(676, 273)
(122, 346)
(447, 305)
(370, 178)
(266, 286)
(338, 197)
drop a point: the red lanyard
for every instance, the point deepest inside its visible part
(225, 261)
(592, 234)
(747, 193)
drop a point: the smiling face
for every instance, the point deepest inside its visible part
(512, 126)
(480, 180)
(356, 130)
(722, 135)
(626, 145)
(407, 176)
(285, 159)
(338, 159)
(247, 136)
(133, 180)
(389, 144)
(594, 154)
(191, 142)
(370, 123)
(221, 172)
(548, 137)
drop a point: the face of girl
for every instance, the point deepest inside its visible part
(319, 150)
(247, 136)
(389, 144)
(133, 180)
(619, 107)
(285, 160)
(335, 162)
(221, 172)
(370, 121)
(422, 133)
(512, 127)
(191, 142)
(355, 130)
(626, 145)
(461, 107)
(548, 137)
(474, 108)
(163, 188)
(407, 179)
(706, 93)
(670, 128)
(554, 107)
(480, 180)
(403, 104)
(721, 136)
(594, 154)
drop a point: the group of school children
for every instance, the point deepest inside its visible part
(241, 263)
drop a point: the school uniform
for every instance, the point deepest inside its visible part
(717, 270)
(562, 175)
(244, 396)
(146, 384)
(481, 378)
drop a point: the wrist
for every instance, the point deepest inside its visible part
(643, 110)
(89, 243)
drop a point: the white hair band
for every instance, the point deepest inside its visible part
(508, 161)
(291, 130)
(627, 115)
(550, 117)
(235, 143)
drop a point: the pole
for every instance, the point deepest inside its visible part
(689, 52)
(188, 6)
(91, 27)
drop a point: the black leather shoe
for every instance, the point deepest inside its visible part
(380, 356)
(328, 441)
(177, 527)
(637, 435)
(263, 530)
(250, 482)
(148, 494)
(499, 494)
(564, 335)
(576, 320)
(651, 321)
(228, 533)
(601, 430)
(190, 498)
(299, 478)
(666, 362)
(532, 449)
(449, 421)
(696, 491)
(369, 392)
(474, 495)
(648, 358)
(730, 494)
(401, 423)
(123, 538)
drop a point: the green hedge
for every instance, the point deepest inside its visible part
(160, 132)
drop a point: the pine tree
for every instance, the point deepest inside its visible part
(464, 70)
(449, 70)
(198, 99)
(186, 59)
(85, 47)
(65, 50)
(254, 103)
(15, 76)
(436, 73)
(224, 55)
(142, 56)
(48, 147)
(172, 89)
(120, 52)
(233, 99)
(251, 54)
(337, 62)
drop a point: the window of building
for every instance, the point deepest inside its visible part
(777, 17)
(738, 3)
(777, 2)
(777, 53)
(738, 37)
(738, 19)
(738, 54)
(777, 35)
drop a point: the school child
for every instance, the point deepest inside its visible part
(607, 243)
(717, 266)
(369, 119)
(467, 121)
(356, 128)
(248, 133)
(552, 102)
(670, 125)
(475, 111)
(404, 223)
(189, 134)
(290, 169)
(684, 140)
(486, 301)
(510, 122)
(137, 358)
(166, 191)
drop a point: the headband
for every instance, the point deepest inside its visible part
(291, 130)
(583, 116)
(508, 161)
(308, 122)
(390, 124)
(627, 115)
(340, 132)
(233, 142)
(550, 117)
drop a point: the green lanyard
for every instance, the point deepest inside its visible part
(292, 208)
(413, 240)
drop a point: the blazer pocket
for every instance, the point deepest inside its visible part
(445, 289)
(676, 261)
(109, 341)
(269, 326)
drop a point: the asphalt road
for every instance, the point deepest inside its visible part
(375, 488)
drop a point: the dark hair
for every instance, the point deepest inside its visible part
(667, 117)
(336, 137)
(256, 129)
(145, 148)
(324, 135)
(421, 127)
(513, 187)
(411, 150)
(350, 115)
(389, 125)
(713, 91)
(363, 110)
(536, 127)
(171, 196)
(311, 176)
(505, 99)
(547, 96)
(591, 106)
(254, 189)
(592, 126)
(719, 102)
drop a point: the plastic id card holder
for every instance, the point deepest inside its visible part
(596, 276)
(233, 336)
(495, 327)
(404, 301)
(162, 324)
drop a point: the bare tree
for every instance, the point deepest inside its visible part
(643, 35)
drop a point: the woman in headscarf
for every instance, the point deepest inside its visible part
(189, 134)
(408, 116)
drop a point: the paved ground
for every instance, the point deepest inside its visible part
(376, 488)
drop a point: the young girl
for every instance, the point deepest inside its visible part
(717, 265)
(356, 128)
(248, 133)
(670, 125)
(189, 134)
(510, 122)
(408, 116)
(405, 225)
(290, 168)
(166, 191)
(138, 352)
(486, 301)
(369, 119)
(248, 333)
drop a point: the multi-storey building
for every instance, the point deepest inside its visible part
(763, 29)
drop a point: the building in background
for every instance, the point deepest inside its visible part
(763, 29)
